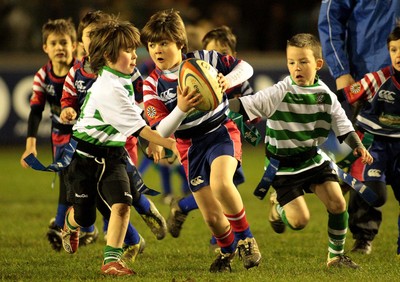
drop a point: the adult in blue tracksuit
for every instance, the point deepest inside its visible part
(353, 35)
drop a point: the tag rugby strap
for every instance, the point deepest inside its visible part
(57, 165)
(66, 158)
(267, 178)
(251, 135)
(138, 181)
(365, 192)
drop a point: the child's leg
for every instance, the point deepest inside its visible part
(144, 165)
(222, 186)
(294, 214)
(215, 219)
(179, 209)
(331, 195)
(182, 174)
(146, 208)
(116, 232)
(165, 172)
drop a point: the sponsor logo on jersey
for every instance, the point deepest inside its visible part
(196, 181)
(167, 95)
(374, 173)
(387, 96)
(320, 98)
(80, 86)
(81, 196)
(50, 90)
(355, 88)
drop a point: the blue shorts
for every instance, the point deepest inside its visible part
(197, 154)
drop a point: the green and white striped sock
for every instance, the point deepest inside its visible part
(112, 254)
(337, 229)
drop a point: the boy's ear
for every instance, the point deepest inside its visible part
(320, 64)
(44, 47)
(74, 46)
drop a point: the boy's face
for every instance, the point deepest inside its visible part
(59, 48)
(302, 65)
(86, 37)
(220, 48)
(126, 61)
(165, 54)
(394, 51)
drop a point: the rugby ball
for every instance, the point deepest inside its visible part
(199, 75)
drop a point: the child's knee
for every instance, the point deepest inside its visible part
(299, 221)
(121, 209)
(337, 206)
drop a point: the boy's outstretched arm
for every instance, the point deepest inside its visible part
(236, 106)
(359, 150)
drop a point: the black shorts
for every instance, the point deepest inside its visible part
(289, 187)
(89, 179)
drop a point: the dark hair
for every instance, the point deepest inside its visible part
(109, 39)
(59, 26)
(223, 35)
(306, 40)
(93, 17)
(165, 25)
(394, 35)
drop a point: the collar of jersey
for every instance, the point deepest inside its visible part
(117, 73)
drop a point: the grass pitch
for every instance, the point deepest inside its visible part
(27, 202)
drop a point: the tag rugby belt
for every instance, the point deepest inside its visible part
(275, 161)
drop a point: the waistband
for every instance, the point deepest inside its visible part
(201, 129)
(293, 160)
(99, 151)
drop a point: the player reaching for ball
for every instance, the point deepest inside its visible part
(208, 142)
(301, 110)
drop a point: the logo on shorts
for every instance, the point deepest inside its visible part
(127, 194)
(374, 173)
(196, 181)
(81, 195)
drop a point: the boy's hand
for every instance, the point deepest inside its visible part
(365, 156)
(67, 115)
(223, 82)
(155, 151)
(188, 100)
(30, 148)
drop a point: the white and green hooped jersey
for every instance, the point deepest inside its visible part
(298, 119)
(109, 114)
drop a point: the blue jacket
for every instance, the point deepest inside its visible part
(353, 34)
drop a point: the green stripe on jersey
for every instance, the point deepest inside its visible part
(85, 137)
(300, 135)
(301, 118)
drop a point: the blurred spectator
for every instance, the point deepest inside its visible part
(261, 25)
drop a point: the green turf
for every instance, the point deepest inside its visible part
(27, 202)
